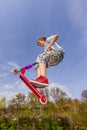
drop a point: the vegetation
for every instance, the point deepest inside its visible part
(60, 113)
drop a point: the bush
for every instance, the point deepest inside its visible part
(26, 123)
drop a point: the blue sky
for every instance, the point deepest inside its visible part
(22, 22)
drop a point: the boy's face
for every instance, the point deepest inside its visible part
(41, 43)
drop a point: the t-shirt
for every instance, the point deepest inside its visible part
(55, 46)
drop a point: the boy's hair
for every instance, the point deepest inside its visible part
(41, 38)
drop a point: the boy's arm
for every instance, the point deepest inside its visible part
(55, 37)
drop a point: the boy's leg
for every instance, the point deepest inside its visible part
(38, 71)
(41, 69)
(41, 76)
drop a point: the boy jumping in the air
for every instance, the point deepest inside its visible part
(52, 55)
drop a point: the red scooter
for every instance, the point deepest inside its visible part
(33, 88)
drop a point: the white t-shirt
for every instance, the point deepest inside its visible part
(55, 46)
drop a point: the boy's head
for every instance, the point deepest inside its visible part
(41, 41)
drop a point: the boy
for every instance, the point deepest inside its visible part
(52, 55)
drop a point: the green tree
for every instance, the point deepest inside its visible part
(18, 101)
(84, 95)
(17, 105)
(2, 102)
(82, 110)
(2, 106)
(56, 93)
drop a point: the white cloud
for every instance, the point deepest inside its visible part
(13, 64)
(20, 85)
(9, 84)
(9, 66)
(7, 94)
(62, 87)
(10, 90)
(6, 69)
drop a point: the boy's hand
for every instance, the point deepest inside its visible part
(48, 48)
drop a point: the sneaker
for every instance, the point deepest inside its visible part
(41, 81)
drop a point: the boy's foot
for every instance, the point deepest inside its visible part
(40, 81)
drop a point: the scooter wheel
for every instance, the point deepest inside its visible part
(15, 71)
(43, 100)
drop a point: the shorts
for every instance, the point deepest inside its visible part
(50, 58)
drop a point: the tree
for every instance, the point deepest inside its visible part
(84, 95)
(2, 102)
(18, 101)
(56, 93)
(2, 106)
(82, 110)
